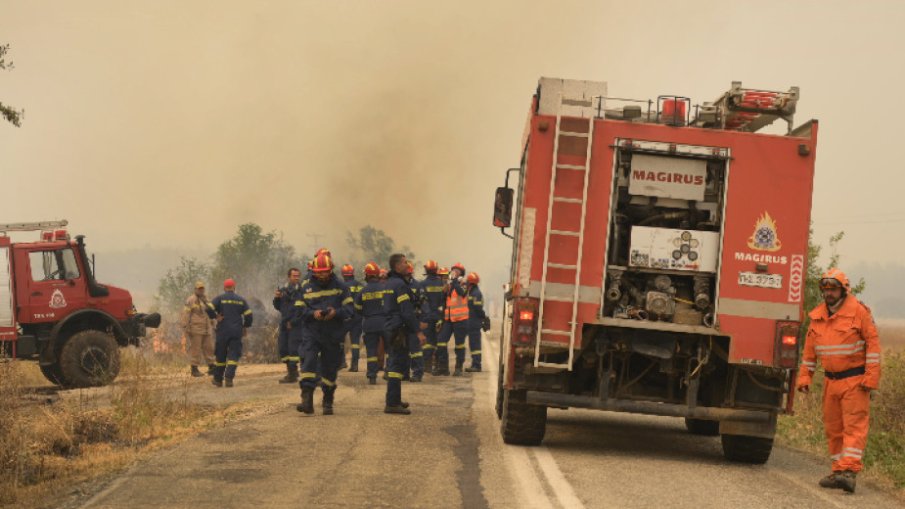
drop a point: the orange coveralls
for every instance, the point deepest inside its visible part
(848, 347)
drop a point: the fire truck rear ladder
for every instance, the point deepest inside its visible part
(32, 227)
(556, 198)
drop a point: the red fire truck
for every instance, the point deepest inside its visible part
(53, 310)
(658, 258)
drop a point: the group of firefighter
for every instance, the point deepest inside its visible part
(406, 326)
(413, 321)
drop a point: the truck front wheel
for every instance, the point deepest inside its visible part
(522, 424)
(89, 359)
(745, 449)
(53, 374)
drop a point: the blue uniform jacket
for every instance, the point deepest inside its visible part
(475, 308)
(289, 293)
(400, 309)
(235, 312)
(317, 296)
(432, 299)
(370, 302)
(355, 288)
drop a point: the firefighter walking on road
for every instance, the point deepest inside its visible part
(324, 305)
(197, 327)
(234, 317)
(843, 337)
(476, 320)
(455, 322)
(431, 311)
(287, 341)
(353, 325)
(401, 321)
(370, 304)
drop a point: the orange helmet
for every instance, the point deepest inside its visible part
(322, 263)
(460, 267)
(372, 270)
(443, 271)
(409, 268)
(473, 278)
(431, 267)
(348, 270)
(835, 278)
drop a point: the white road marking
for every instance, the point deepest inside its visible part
(519, 458)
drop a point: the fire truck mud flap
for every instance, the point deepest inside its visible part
(650, 408)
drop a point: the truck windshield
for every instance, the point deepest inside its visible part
(53, 265)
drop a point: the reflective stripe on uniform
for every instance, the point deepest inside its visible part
(441, 344)
(355, 346)
(372, 359)
(232, 363)
(293, 358)
(307, 374)
(328, 383)
(428, 347)
(322, 293)
(220, 364)
(393, 374)
(402, 298)
(460, 347)
(416, 355)
(299, 303)
(247, 312)
(839, 347)
(347, 300)
(475, 352)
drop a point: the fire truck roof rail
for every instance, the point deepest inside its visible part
(32, 227)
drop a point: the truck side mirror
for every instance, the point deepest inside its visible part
(502, 207)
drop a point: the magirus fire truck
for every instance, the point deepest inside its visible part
(658, 258)
(53, 310)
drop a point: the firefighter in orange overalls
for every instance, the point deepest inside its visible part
(843, 336)
(455, 322)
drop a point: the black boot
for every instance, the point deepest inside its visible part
(372, 380)
(292, 375)
(229, 382)
(196, 372)
(473, 369)
(307, 404)
(328, 403)
(441, 370)
(398, 409)
(354, 367)
(458, 371)
(846, 481)
(217, 383)
(830, 481)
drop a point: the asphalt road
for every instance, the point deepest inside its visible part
(449, 454)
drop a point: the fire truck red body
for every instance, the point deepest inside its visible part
(658, 259)
(54, 311)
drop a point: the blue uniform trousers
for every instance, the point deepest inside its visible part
(287, 348)
(415, 358)
(447, 331)
(430, 345)
(397, 355)
(372, 340)
(353, 328)
(321, 349)
(227, 351)
(474, 345)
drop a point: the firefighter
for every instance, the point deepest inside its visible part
(401, 321)
(370, 304)
(197, 326)
(287, 342)
(431, 311)
(476, 320)
(414, 371)
(455, 322)
(324, 305)
(353, 325)
(234, 317)
(843, 337)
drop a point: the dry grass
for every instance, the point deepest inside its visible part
(884, 458)
(47, 448)
(892, 334)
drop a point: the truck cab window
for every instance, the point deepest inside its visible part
(53, 265)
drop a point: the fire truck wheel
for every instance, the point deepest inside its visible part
(744, 449)
(702, 427)
(523, 424)
(53, 374)
(89, 359)
(499, 395)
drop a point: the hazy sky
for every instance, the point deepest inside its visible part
(170, 123)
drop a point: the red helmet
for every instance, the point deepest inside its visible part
(431, 267)
(322, 263)
(460, 267)
(409, 268)
(229, 283)
(443, 271)
(321, 251)
(372, 270)
(473, 278)
(348, 270)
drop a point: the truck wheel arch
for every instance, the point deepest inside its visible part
(83, 319)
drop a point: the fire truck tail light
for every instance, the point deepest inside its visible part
(525, 326)
(786, 350)
(526, 316)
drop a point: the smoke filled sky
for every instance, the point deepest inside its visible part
(169, 123)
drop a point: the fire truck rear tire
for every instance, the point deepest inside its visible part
(702, 427)
(53, 374)
(499, 395)
(522, 424)
(745, 449)
(89, 359)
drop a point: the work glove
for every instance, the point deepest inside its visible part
(485, 324)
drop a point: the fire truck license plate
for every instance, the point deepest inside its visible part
(761, 280)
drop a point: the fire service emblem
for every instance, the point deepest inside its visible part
(765, 237)
(57, 300)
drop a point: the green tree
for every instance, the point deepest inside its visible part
(11, 114)
(179, 282)
(371, 244)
